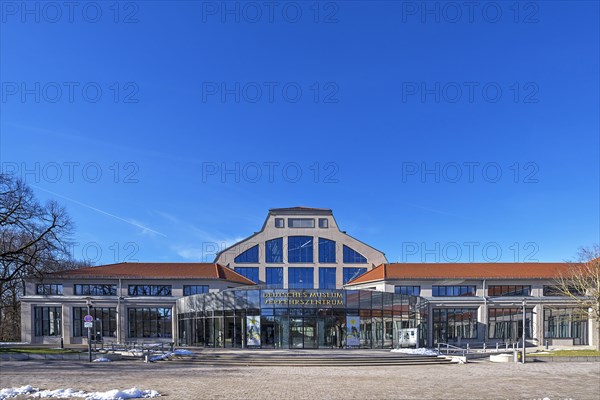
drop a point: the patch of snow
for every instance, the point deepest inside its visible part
(183, 352)
(161, 357)
(12, 343)
(421, 351)
(114, 394)
(102, 359)
(14, 392)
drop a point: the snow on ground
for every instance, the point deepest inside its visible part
(101, 359)
(183, 352)
(421, 351)
(114, 394)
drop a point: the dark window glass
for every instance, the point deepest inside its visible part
(323, 223)
(95, 290)
(408, 290)
(274, 250)
(47, 321)
(279, 223)
(150, 322)
(150, 290)
(509, 290)
(301, 278)
(274, 277)
(105, 322)
(249, 272)
(453, 291)
(452, 324)
(351, 273)
(248, 256)
(189, 290)
(301, 223)
(566, 323)
(327, 278)
(353, 257)
(507, 323)
(555, 291)
(300, 249)
(49, 289)
(326, 251)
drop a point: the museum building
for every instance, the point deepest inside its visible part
(301, 282)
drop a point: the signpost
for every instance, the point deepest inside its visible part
(88, 322)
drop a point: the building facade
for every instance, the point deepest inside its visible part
(301, 282)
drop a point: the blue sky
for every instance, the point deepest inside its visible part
(167, 129)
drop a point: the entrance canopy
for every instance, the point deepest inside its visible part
(295, 318)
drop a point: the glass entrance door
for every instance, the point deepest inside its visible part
(310, 333)
(296, 333)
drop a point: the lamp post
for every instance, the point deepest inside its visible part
(524, 327)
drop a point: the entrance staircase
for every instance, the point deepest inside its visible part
(266, 358)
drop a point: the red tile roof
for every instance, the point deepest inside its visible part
(397, 271)
(154, 270)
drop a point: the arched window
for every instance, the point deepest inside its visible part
(248, 256)
(352, 256)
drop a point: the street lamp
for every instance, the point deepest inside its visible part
(524, 326)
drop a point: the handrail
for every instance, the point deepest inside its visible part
(467, 349)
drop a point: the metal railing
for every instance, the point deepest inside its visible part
(478, 347)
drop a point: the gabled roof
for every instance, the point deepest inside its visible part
(399, 271)
(155, 270)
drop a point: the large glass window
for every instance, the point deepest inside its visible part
(301, 223)
(327, 278)
(326, 250)
(301, 278)
(248, 272)
(351, 256)
(248, 256)
(509, 290)
(150, 322)
(566, 323)
(453, 291)
(274, 250)
(351, 273)
(105, 320)
(49, 289)
(150, 290)
(95, 290)
(507, 323)
(189, 290)
(556, 291)
(408, 290)
(454, 324)
(47, 321)
(300, 249)
(274, 277)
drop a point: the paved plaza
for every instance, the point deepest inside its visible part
(477, 380)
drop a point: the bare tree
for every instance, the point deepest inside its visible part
(34, 240)
(582, 285)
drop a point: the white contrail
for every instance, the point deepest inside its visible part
(98, 210)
